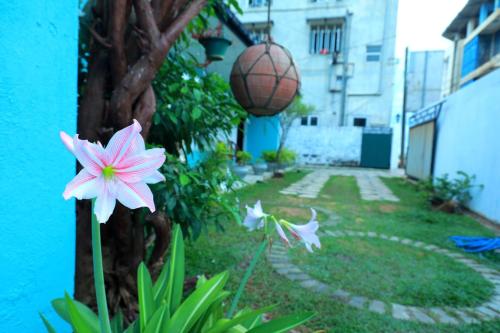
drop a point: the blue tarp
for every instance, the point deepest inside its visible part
(476, 244)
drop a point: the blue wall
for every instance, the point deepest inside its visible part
(261, 134)
(38, 90)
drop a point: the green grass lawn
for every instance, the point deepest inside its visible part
(374, 268)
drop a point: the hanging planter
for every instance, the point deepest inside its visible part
(265, 79)
(215, 47)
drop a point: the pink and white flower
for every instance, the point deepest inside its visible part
(255, 217)
(307, 232)
(121, 171)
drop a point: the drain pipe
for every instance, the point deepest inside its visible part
(345, 67)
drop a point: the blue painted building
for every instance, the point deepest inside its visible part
(38, 97)
(475, 32)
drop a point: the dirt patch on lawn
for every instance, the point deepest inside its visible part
(387, 208)
(293, 212)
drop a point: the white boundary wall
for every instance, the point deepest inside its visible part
(469, 140)
(334, 145)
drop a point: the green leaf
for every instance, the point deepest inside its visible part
(159, 320)
(184, 179)
(196, 304)
(79, 318)
(145, 295)
(133, 328)
(197, 113)
(160, 284)
(172, 291)
(117, 323)
(223, 325)
(197, 94)
(283, 324)
(60, 305)
(214, 313)
(47, 324)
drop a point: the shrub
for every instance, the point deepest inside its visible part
(269, 156)
(243, 157)
(451, 194)
(287, 156)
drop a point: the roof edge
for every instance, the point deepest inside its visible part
(233, 23)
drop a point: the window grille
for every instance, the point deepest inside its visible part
(257, 3)
(325, 38)
(258, 34)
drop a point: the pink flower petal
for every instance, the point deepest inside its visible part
(104, 204)
(135, 195)
(135, 168)
(67, 141)
(281, 233)
(156, 177)
(90, 155)
(125, 141)
(84, 186)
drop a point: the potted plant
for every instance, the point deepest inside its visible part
(260, 166)
(241, 169)
(270, 157)
(214, 43)
(286, 158)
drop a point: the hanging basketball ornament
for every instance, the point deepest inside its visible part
(264, 78)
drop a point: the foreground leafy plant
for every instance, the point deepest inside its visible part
(162, 307)
(451, 195)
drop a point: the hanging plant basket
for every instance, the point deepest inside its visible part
(215, 47)
(265, 79)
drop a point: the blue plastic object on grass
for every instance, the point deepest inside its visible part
(476, 244)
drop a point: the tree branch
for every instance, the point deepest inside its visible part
(101, 40)
(146, 19)
(120, 9)
(169, 15)
(194, 8)
(144, 70)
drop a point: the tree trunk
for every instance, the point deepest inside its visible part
(129, 42)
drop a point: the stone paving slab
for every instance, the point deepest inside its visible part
(369, 183)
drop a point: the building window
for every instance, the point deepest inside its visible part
(360, 122)
(257, 3)
(373, 52)
(311, 121)
(258, 34)
(325, 38)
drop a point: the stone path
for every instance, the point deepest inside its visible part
(369, 183)
(489, 310)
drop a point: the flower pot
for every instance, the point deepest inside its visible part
(215, 47)
(241, 170)
(284, 165)
(272, 166)
(259, 168)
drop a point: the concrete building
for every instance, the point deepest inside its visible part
(424, 79)
(345, 53)
(476, 37)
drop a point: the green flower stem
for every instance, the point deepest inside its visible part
(246, 277)
(102, 305)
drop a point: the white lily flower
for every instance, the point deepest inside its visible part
(307, 232)
(255, 217)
